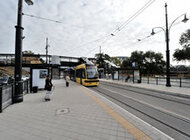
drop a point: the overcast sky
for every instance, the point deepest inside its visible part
(88, 24)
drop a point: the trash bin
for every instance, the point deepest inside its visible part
(35, 89)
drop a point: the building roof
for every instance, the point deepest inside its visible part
(112, 64)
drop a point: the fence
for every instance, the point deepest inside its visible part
(7, 92)
(159, 80)
(175, 81)
(26, 86)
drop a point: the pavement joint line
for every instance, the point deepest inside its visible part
(129, 127)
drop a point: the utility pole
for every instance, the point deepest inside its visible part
(100, 49)
(47, 50)
(18, 96)
(47, 63)
(166, 30)
(167, 51)
(18, 93)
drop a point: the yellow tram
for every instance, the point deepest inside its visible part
(87, 75)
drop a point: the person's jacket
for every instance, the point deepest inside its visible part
(48, 85)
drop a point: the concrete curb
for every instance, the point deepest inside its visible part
(154, 90)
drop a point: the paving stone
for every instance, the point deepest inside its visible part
(35, 119)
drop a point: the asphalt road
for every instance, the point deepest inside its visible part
(168, 113)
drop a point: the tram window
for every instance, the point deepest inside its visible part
(83, 73)
(78, 73)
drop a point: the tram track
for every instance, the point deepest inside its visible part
(178, 124)
(157, 94)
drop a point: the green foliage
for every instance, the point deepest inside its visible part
(184, 53)
(137, 57)
(101, 64)
(126, 63)
(149, 62)
(101, 57)
(116, 61)
(184, 40)
(153, 62)
(100, 60)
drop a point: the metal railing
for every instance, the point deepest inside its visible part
(175, 81)
(26, 86)
(7, 92)
(160, 80)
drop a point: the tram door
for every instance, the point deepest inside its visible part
(82, 75)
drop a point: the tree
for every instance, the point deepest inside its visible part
(106, 66)
(149, 62)
(137, 57)
(184, 53)
(153, 62)
(100, 60)
(116, 61)
(101, 57)
(126, 63)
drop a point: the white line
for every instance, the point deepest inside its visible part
(158, 108)
(104, 98)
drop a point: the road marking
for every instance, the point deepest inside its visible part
(137, 133)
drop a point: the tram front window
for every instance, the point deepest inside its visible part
(91, 72)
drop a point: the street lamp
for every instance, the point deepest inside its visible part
(166, 30)
(18, 94)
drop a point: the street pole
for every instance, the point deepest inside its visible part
(18, 94)
(46, 50)
(168, 84)
(47, 63)
(167, 51)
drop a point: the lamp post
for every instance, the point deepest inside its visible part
(18, 94)
(166, 30)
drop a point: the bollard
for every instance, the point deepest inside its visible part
(27, 82)
(180, 82)
(156, 80)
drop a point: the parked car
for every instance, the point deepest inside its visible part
(25, 77)
(6, 79)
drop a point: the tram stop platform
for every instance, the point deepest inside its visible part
(74, 113)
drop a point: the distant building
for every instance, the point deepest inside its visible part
(122, 58)
(111, 64)
(32, 60)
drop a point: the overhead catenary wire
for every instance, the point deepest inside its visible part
(119, 28)
(107, 37)
(144, 38)
(123, 25)
(159, 31)
(42, 18)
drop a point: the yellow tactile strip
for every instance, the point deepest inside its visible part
(137, 133)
